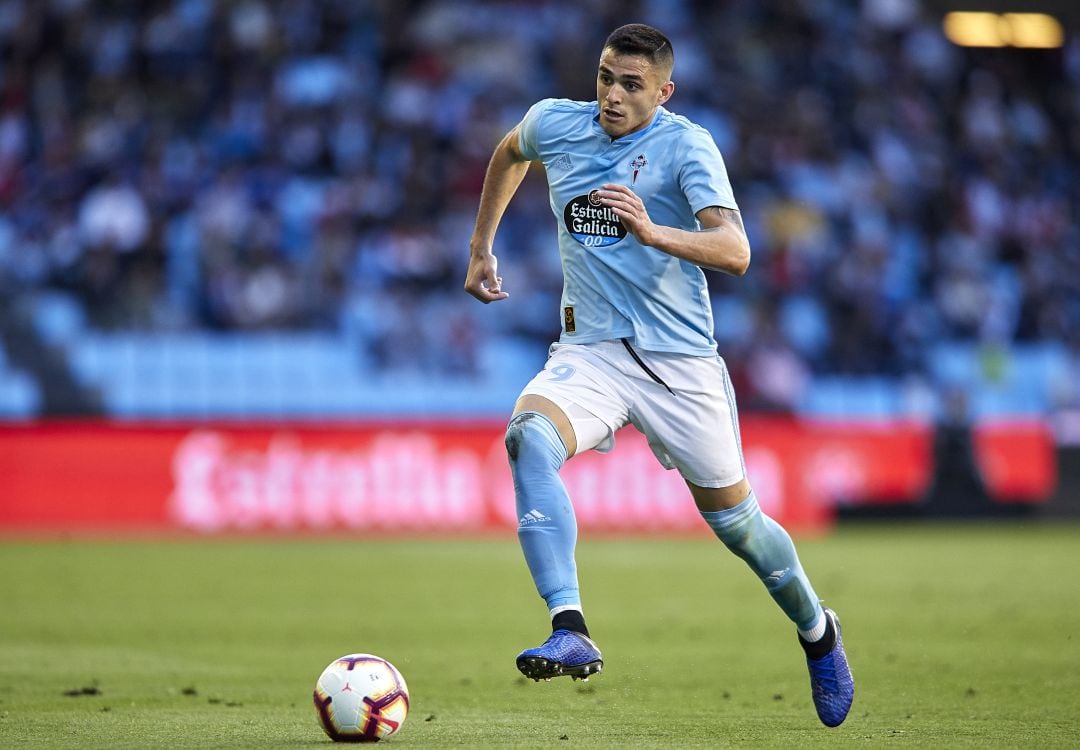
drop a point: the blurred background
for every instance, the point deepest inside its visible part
(260, 210)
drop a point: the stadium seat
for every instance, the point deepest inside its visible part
(20, 396)
(852, 397)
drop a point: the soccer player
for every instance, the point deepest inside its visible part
(643, 203)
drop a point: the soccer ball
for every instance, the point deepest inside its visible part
(361, 698)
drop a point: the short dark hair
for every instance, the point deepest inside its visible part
(642, 41)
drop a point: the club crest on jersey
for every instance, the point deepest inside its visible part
(637, 165)
(592, 223)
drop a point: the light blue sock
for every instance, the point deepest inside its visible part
(547, 527)
(767, 548)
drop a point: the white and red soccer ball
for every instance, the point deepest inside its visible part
(361, 698)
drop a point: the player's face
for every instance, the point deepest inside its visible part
(629, 89)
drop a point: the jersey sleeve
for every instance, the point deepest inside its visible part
(703, 176)
(529, 131)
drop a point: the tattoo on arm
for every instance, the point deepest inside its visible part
(713, 216)
(734, 216)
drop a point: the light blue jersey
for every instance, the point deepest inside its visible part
(613, 286)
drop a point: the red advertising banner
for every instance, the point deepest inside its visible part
(1017, 460)
(447, 477)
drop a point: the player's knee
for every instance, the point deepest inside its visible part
(736, 539)
(530, 434)
(515, 434)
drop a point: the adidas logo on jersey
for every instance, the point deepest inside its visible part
(563, 162)
(533, 516)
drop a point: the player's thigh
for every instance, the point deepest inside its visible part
(574, 386)
(719, 498)
(696, 430)
(543, 405)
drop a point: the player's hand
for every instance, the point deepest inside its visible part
(631, 211)
(482, 280)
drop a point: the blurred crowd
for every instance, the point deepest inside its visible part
(316, 164)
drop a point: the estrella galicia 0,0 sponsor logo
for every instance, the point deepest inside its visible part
(592, 224)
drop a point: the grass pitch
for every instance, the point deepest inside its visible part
(959, 636)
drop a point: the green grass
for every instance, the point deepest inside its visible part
(959, 636)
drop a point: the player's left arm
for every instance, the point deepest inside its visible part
(721, 243)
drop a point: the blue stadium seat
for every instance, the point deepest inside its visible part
(20, 396)
(58, 318)
(840, 397)
(1017, 381)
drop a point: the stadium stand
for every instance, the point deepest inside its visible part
(262, 209)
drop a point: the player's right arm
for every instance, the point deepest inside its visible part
(505, 172)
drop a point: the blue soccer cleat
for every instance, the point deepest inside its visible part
(831, 682)
(565, 653)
